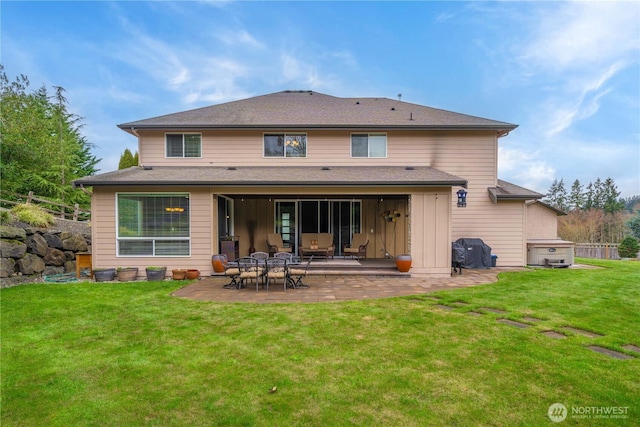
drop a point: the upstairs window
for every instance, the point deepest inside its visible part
(285, 145)
(184, 145)
(372, 145)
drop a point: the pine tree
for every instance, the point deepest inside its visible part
(611, 201)
(576, 198)
(42, 148)
(127, 159)
(557, 195)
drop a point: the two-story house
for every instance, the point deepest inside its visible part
(297, 162)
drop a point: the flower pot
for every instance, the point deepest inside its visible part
(104, 274)
(193, 274)
(127, 274)
(179, 274)
(156, 273)
(218, 262)
(403, 262)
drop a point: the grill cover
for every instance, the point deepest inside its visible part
(477, 254)
(457, 253)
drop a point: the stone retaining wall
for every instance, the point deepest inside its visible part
(37, 252)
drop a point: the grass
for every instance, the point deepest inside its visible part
(130, 354)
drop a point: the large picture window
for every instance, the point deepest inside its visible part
(184, 145)
(373, 145)
(153, 224)
(285, 145)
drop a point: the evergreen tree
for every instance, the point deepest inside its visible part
(557, 195)
(576, 198)
(598, 194)
(634, 225)
(42, 148)
(127, 159)
(611, 201)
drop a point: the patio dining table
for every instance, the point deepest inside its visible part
(292, 283)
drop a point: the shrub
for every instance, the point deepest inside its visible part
(6, 217)
(33, 215)
(628, 247)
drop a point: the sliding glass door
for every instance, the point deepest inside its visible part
(340, 217)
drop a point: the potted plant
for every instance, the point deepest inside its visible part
(193, 274)
(156, 273)
(104, 274)
(179, 274)
(127, 274)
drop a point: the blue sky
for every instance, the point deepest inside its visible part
(568, 73)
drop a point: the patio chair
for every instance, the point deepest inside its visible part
(232, 271)
(297, 273)
(274, 240)
(276, 270)
(250, 269)
(358, 246)
(260, 255)
(284, 255)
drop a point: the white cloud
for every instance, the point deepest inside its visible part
(526, 168)
(565, 111)
(577, 35)
(238, 37)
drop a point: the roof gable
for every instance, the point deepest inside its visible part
(308, 109)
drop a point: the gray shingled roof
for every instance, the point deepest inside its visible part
(508, 191)
(257, 176)
(307, 109)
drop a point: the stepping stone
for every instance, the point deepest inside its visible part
(610, 353)
(460, 303)
(632, 347)
(474, 313)
(444, 307)
(554, 334)
(513, 323)
(531, 319)
(493, 310)
(582, 332)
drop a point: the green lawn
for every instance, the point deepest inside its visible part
(130, 354)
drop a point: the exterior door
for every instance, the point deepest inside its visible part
(286, 223)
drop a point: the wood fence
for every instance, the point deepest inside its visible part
(54, 208)
(597, 250)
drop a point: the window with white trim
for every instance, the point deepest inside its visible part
(285, 145)
(183, 144)
(372, 145)
(153, 224)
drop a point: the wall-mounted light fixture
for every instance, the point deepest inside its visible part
(177, 209)
(462, 198)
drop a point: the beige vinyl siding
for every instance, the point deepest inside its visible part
(332, 148)
(542, 222)
(104, 231)
(500, 226)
